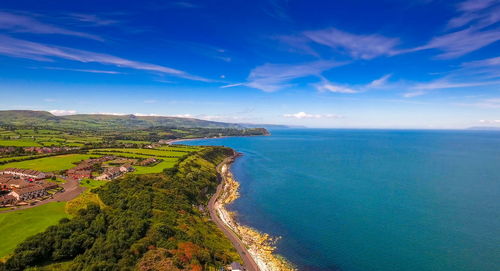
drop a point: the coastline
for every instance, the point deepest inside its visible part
(173, 141)
(259, 246)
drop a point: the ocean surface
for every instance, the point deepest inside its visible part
(359, 200)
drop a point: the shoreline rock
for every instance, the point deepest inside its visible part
(261, 246)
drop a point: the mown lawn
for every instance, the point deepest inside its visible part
(53, 163)
(90, 183)
(17, 226)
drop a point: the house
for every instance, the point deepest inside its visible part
(148, 161)
(7, 182)
(48, 185)
(126, 168)
(236, 267)
(28, 192)
(78, 174)
(7, 200)
(25, 173)
(110, 173)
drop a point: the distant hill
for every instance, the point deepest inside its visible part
(98, 121)
(268, 126)
(484, 128)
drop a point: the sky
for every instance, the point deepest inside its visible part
(330, 64)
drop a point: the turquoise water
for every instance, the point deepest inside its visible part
(374, 200)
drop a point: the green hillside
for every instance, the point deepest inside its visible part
(98, 121)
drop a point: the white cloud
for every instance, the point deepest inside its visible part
(482, 12)
(185, 4)
(20, 23)
(379, 83)
(83, 70)
(110, 113)
(412, 94)
(472, 29)
(304, 115)
(59, 112)
(273, 77)
(328, 86)
(419, 89)
(233, 85)
(444, 83)
(91, 19)
(461, 42)
(489, 62)
(183, 116)
(25, 49)
(490, 121)
(357, 46)
(492, 103)
(146, 115)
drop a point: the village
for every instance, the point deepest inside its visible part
(21, 187)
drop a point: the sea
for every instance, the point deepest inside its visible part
(382, 200)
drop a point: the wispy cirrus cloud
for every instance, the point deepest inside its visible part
(273, 77)
(13, 22)
(461, 42)
(92, 19)
(491, 103)
(471, 30)
(483, 12)
(277, 9)
(444, 83)
(304, 115)
(472, 74)
(419, 89)
(357, 46)
(185, 4)
(31, 50)
(336, 88)
(328, 86)
(83, 70)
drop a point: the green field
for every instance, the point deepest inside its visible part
(156, 168)
(22, 157)
(19, 143)
(53, 163)
(164, 152)
(133, 142)
(17, 226)
(121, 154)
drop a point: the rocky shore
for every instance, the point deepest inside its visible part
(260, 246)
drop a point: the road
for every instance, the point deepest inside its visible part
(71, 190)
(248, 262)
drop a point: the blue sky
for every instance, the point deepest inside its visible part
(352, 63)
